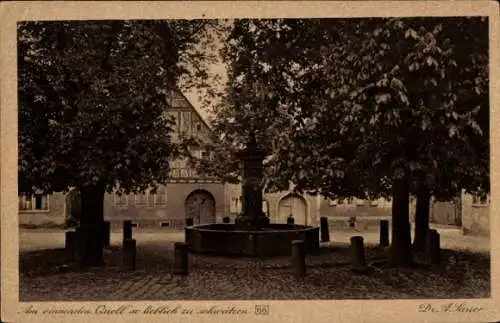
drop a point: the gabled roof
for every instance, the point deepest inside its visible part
(205, 122)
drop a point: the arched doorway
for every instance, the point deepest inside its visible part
(200, 206)
(293, 204)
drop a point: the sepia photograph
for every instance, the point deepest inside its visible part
(253, 159)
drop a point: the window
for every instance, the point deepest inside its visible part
(235, 205)
(174, 137)
(185, 121)
(121, 200)
(150, 200)
(184, 172)
(479, 200)
(161, 196)
(174, 117)
(197, 153)
(175, 172)
(140, 200)
(36, 202)
(146, 199)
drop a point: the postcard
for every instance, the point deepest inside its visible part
(251, 161)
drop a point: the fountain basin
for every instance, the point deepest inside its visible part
(272, 240)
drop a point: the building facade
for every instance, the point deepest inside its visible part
(468, 212)
(186, 194)
(43, 210)
(303, 208)
(207, 200)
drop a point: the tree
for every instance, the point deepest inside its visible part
(373, 107)
(466, 41)
(414, 115)
(92, 107)
(246, 104)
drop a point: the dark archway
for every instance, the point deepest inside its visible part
(200, 206)
(295, 205)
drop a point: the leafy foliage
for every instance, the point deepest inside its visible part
(409, 105)
(362, 107)
(87, 116)
(350, 104)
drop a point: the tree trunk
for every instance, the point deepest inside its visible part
(422, 219)
(91, 222)
(400, 253)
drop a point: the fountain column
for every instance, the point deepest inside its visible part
(252, 159)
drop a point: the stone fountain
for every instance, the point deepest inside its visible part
(252, 234)
(252, 159)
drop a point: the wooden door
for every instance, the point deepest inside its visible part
(294, 205)
(200, 206)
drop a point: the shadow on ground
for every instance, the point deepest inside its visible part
(461, 274)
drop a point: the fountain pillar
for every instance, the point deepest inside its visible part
(251, 234)
(252, 159)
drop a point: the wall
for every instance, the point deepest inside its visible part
(173, 210)
(469, 213)
(447, 213)
(273, 200)
(311, 207)
(55, 215)
(319, 206)
(475, 216)
(360, 208)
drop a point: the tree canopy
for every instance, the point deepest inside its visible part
(362, 107)
(92, 99)
(351, 103)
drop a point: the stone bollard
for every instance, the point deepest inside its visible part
(290, 220)
(298, 258)
(80, 247)
(127, 230)
(70, 245)
(433, 248)
(180, 258)
(226, 219)
(106, 234)
(189, 222)
(264, 221)
(358, 253)
(325, 233)
(129, 254)
(384, 233)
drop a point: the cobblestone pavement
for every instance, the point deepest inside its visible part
(217, 278)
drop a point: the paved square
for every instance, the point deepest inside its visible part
(217, 278)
